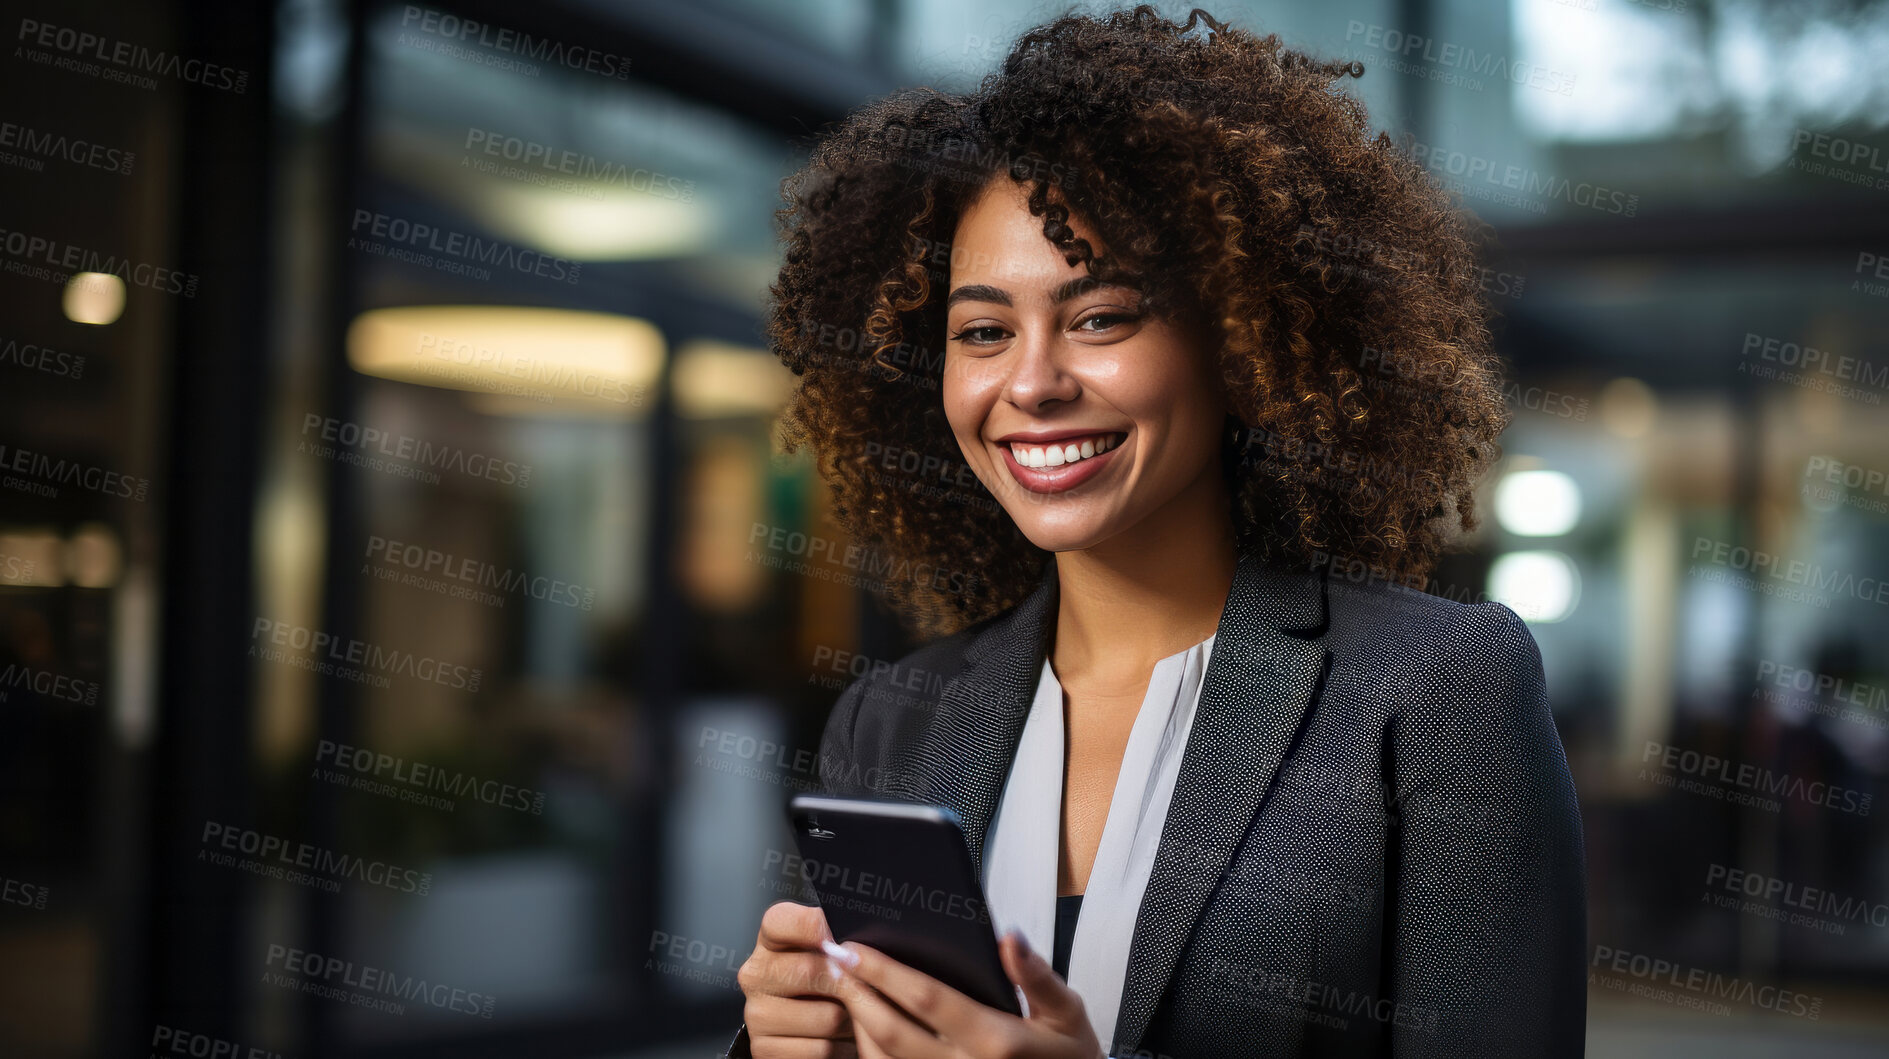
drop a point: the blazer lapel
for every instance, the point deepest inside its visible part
(1253, 698)
(965, 754)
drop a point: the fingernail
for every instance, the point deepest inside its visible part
(846, 957)
(833, 970)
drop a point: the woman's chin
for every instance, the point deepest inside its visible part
(1072, 536)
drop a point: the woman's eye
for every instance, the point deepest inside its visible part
(979, 336)
(1106, 321)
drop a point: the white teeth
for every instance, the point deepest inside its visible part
(1057, 454)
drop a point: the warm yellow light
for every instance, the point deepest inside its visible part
(94, 298)
(31, 558)
(620, 226)
(93, 556)
(551, 361)
(1628, 407)
(722, 379)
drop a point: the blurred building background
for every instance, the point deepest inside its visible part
(397, 581)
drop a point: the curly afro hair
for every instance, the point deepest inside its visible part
(1239, 190)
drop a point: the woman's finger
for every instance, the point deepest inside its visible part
(801, 1048)
(823, 1019)
(882, 1029)
(933, 1004)
(787, 926)
(1051, 1000)
(787, 974)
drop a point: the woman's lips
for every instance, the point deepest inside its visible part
(1058, 479)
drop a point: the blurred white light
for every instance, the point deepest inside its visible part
(1540, 586)
(1537, 503)
(94, 298)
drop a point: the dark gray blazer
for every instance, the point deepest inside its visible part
(1373, 846)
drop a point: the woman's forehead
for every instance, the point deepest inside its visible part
(999, 243)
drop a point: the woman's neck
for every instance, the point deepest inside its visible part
(1148, 592)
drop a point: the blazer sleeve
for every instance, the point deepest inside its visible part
(836, 761)
(1489, 880)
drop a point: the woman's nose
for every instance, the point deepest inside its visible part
(1038, 374)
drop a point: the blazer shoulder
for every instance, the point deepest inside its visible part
(1409, 630)
(888, 702)
(922, 672)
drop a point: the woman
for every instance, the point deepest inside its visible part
(1233, 790)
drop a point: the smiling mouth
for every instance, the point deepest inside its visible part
(1061, 465)
(1063, 450)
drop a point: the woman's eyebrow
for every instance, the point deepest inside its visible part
(977, 292)
(981, 292)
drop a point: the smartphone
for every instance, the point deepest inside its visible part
(898, 876)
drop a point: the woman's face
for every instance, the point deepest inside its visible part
(1080, 415)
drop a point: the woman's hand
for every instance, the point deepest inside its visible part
(792, 1012)
(901, 1013)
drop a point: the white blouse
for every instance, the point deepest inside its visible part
(1025, 836)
